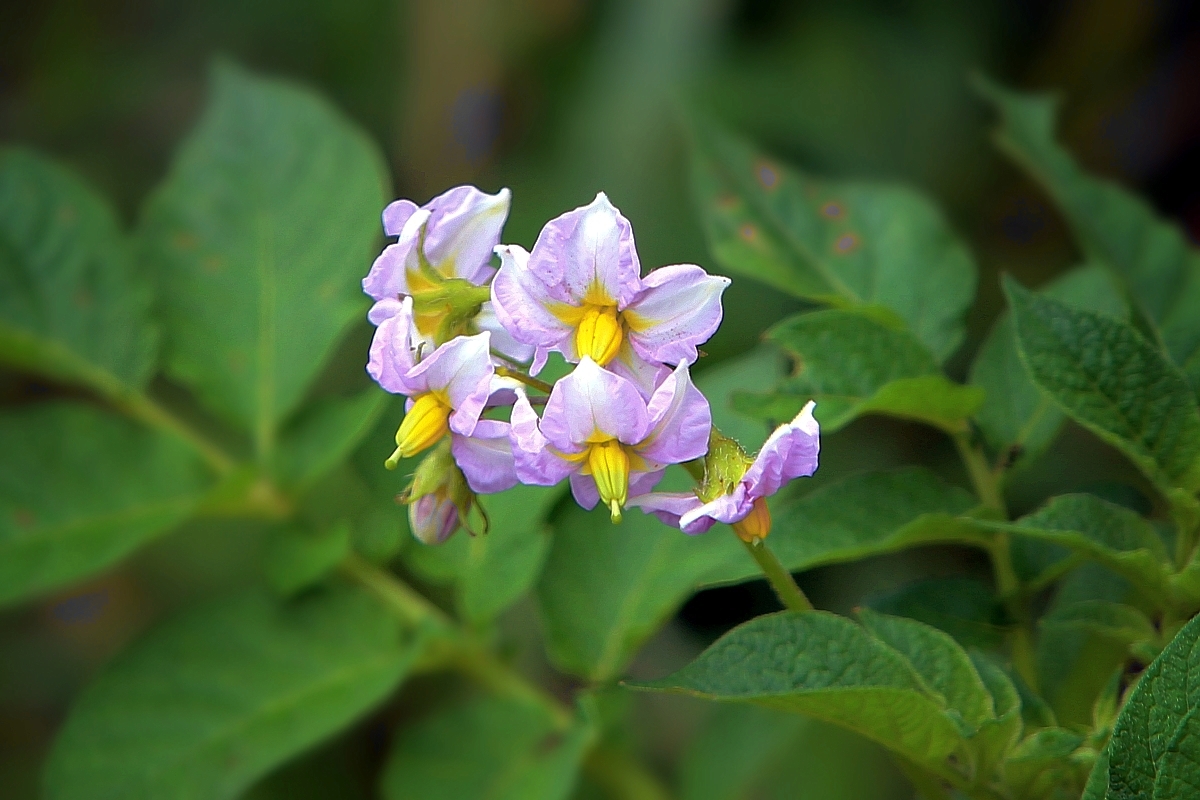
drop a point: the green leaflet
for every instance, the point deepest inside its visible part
(853, 363)
(71, 307)
(1046, 765)
(1155, 748)
(965, 608)
(298, 558)
(260, 234)
(1015, 412)
(869, 514)
(80, 489)
(211, 701)
(1113, 226)
(323, 435)
(487, 748)
(1109, 379)
(842, 243)
(826, 667)
(1116, 621)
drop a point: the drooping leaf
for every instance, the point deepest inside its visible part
(487, 747)
(1115, 227)
(323, 435)
(1016, 414)
(869, 514)
(965, 608)
(211, 701)
(260, 234)
(80, 489)
(1155, 750)
(826, 667)
(71, 306)
(854, 364)
(1108, 378)
(842, 243)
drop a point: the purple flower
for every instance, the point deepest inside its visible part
(597, 430)
(579, 292)
(433, 518)
(735, 489)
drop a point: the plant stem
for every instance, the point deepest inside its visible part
(623, 776)
(541, 386)
(462, 650)
(777, 575)
(146, 410)
(983, 478)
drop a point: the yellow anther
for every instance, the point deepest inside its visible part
(608, 464)
(757, 523)
(425, 424)
(599, 334)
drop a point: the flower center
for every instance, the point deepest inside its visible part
(423, 426)
(599, 333)
(608, 464)
(756, 524)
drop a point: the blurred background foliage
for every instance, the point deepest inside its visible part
(558, 99)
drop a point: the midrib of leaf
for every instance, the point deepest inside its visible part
(264, 429)
(56, 352)
(126, 515)
(283, 704)
(781, 230)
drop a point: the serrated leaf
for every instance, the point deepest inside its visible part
(323, 435)
(71, 306)
(1109, 379)
(487, 748)
(1113, 226)
(1016, 414)
(209, 702)
(260, 234)
(965, 608)
(854, 364)
(1155, 751)
(826, 667)
(842, 243)
(869, 514)
(80, 489)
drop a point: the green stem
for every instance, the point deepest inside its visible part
(145, 410)
(983, 478)
(777, 575)
(1008, 586)
(462, 650)
(622, 776)
(541, 386)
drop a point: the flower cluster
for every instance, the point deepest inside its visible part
(463, 341)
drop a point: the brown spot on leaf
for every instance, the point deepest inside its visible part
(185, 241)
(846, 243)
(24, 518)
(767, 175)
(833, 210)
(748, 232)
(212, 264)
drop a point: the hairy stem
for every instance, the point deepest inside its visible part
(777, 575)
(541, 386)
(147, 411)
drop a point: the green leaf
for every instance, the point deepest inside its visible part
(211, 701)
(1110, 534)
(323, 436)
(869, 514)
(854, 364)
(1109, 379)
(80, 489)
(1016, 414)
(261, 233)
(298, 559)
(492, 571)
(1116, 621)
(841, 243)
(487, 748)
(996, 737)
(826, 667)
(1155, 751)
(965, 608)
(1046, 765)
(71, 307)
(1113, 226)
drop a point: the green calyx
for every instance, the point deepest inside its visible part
(724, 465)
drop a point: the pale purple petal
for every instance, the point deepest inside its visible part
(462, 368)
(389, 274)
(522, 304)
(591, 246)
(589, 401)
(502, 341)
(669, 507)
(728, 508)
(396, 214)
(464, 228)
(790, 452)
(643, 482)
(486, 457)
(679, 308)
(535, 462)
(680, 421)
(391, 355)
(583, 487)
(645, 375)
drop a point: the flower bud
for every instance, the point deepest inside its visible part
(755, 525)
(432, 518)
(439, 498)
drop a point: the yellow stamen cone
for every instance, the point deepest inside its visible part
(425, 424)
(609, 465)
(757, 524)
(599, 334)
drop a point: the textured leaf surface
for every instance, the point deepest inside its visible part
(71, 307)
(1116, 621)
(211, 701)
(260, 234)
(1155, 747)
(842, 243)
(823, 666)
(80, 489)
(965, 608)
(486, 748)
(1108, 378)
(1016, 413)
